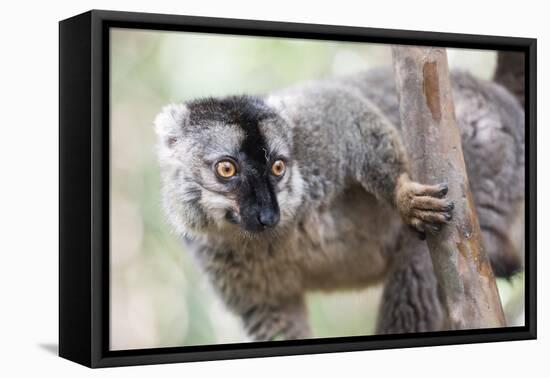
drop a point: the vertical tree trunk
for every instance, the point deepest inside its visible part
(510, 73)
(433, 143)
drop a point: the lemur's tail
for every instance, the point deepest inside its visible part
(510, 73)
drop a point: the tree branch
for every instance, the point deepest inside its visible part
(433, 142)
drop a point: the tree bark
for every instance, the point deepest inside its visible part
(433, 143)
(510, 73)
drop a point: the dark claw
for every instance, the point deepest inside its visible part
(450, 206)
(448, 216)
(444, 189)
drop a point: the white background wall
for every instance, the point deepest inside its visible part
(29, 187)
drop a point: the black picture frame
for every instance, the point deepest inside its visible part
(84, 187)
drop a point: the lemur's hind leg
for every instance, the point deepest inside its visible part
(411, 301)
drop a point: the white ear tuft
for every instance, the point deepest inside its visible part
(170, 121)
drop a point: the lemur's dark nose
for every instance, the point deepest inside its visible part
(268, 217)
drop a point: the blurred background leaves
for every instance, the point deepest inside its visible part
(159, 297)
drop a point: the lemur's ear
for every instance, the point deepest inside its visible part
(170, 122)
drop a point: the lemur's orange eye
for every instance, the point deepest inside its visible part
(225, 169)
(278, 168)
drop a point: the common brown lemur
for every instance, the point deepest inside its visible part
(307, 189)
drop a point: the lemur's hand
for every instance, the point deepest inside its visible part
(423, 207)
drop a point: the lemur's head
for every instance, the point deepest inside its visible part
(227, 166)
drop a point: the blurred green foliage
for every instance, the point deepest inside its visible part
(158, 295)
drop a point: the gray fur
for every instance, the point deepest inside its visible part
(492, 126)
(411, 301)
(340, 225)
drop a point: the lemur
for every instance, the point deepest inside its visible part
(308, 189)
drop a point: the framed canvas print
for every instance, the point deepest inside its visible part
(234, 188)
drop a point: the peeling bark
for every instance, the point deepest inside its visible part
(433, 143)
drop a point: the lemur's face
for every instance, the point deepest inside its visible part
(227, 165)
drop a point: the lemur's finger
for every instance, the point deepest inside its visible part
(422, 228)
(431, 203)
(438, 190)
(418, 227)
(431, 216)
(417, 224)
